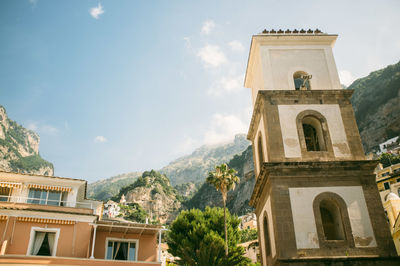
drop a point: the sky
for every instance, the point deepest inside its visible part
(119, 86)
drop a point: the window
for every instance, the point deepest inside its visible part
(122, 250)
(385, 174)
(331, 220)
(266, 236)
(386, 185)
(43, 241)
(47, 197)
(302, 80)
(5, 193)
(313, 134)
(260, 151)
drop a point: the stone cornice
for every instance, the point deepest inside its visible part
(330, 168)
(290, 96)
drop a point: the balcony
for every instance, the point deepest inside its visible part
(46, 204)
(42, 260)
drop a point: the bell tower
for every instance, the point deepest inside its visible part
(315, 195)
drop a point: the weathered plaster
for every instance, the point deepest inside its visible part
(301, 200)
(288, 114)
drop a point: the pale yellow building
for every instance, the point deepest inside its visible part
(392, 209)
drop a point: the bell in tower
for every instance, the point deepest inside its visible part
(315, 195)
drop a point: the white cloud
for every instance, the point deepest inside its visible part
(208, 26)
(95, 12)
(187, 145)
(226, 85)
(212, 56)
(223, 128)
(346, 77)
(100, 139)
(236, 46)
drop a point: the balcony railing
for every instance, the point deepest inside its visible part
(49, 202)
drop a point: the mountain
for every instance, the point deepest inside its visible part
(376, 103)
(188, 171)
(238, 199)
(19, 149)
(195, 167)
(154, 193)
(104, 189)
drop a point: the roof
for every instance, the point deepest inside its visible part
(116, 225)
(293, 32)
(48, 176)
(55, 177)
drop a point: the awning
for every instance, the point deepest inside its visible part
(10, 184)
(44, 220)
(48, 187)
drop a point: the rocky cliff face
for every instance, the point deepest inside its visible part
(154, 193)
(238, 199)
(188, 171)
(376, 103)
(19, 149)
(107, 188)
(195, 167)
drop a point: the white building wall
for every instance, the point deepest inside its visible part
(291, 142)
(316, 60)
(301, 200)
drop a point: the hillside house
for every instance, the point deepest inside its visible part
(49, 220)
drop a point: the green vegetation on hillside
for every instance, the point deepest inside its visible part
(376, 103)
(237, 199)
(110, 187)
(387, 159)
(195, 167)
(16, 141)
(147, 179)
(30, 163)
(380, 86)
(248, 235)
(197, 238)
(133, 212)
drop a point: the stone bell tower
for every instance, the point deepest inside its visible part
(315, 195)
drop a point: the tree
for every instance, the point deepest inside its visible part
(223, 179)
(248, 235)
(387, 159)
(196, 237)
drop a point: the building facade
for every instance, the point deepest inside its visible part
(315, 195)
(388, 180)
(46, 219)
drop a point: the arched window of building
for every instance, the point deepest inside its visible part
(331, 220)
(302, 80)
(313, 134)
(260, 151)
(266, 236)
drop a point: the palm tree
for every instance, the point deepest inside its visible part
(223, 179)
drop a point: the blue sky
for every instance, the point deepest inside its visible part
(119, 86)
